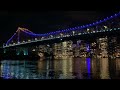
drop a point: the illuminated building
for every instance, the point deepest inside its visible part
(67, 48)
(112, 43)
(63, 49)
(57, 50)
(81, 49)
(103, 46)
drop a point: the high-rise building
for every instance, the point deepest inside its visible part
(112, 43)
(103, 46)
(63, 49)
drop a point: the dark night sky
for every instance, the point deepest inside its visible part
(42, 22)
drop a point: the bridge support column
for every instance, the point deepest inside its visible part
(4, 50)
(25, 51)
(22, 51)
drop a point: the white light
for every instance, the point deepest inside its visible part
(35, 38)
(51, 35)
(48, 45)
(105, 27)
(33, 50)
(29, 40)
(100, 38)
(42, 37)
(88, 29)
(73, 32)
(23, 41)
(61, 34)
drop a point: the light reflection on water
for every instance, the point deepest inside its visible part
(64, 68)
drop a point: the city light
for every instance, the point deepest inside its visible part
(29, 40)
(73, 32)
(88, 29)
(36, 39)
(33, 50)
(105, 27)
(23, 41)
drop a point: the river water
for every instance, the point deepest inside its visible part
(64, 68)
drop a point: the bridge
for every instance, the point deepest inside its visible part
(24, 36)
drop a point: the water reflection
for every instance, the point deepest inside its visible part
(82, 68)
(79, 67)
(104, 68)
(118, 68)
(95, 68)
(63, 68)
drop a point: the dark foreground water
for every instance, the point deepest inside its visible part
(66, 68)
